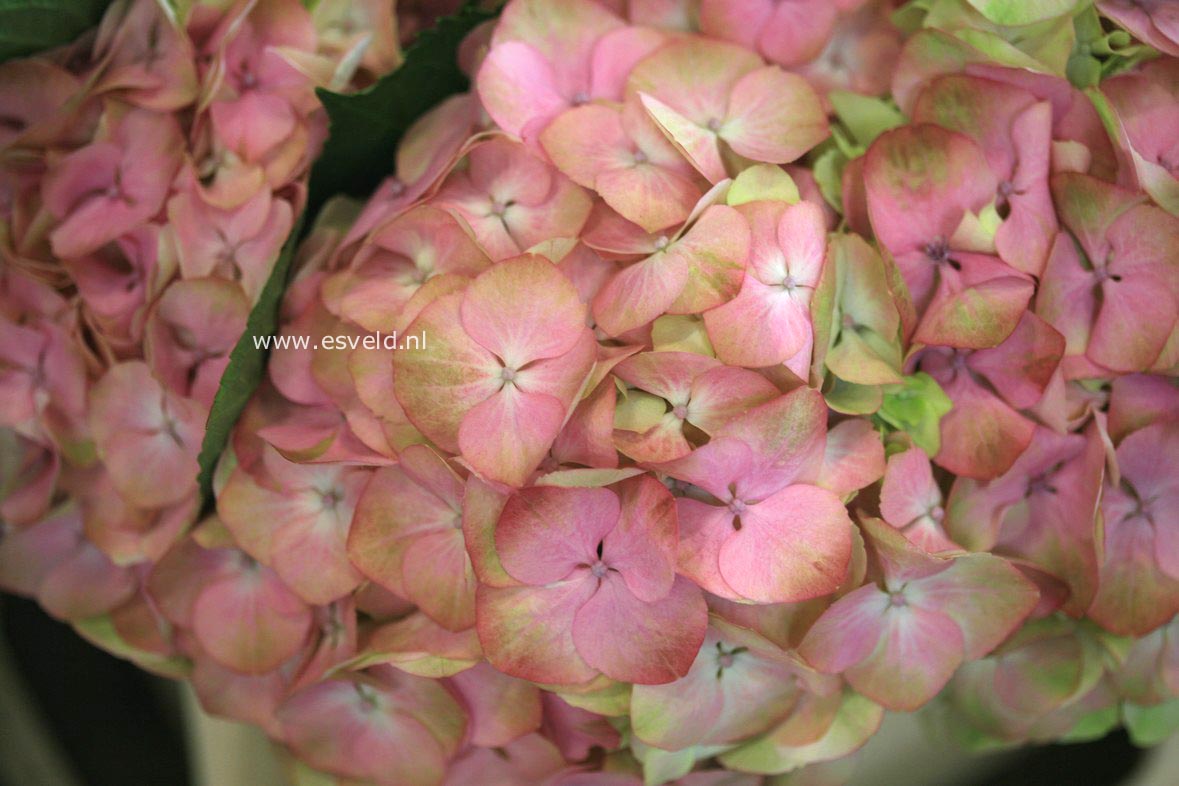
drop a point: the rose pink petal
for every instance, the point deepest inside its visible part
(917, 654)
(250, 622)
(773, 116)
(506, 436)
(645, 643)
(642, 547)
(523, 310)
(527, 632)
(847, 632)
(793, 546)
(545, 533)
(985, 596)
(502, 708)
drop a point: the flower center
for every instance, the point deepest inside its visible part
(1040, 485)
(897, 600)
(714, 125)
(737, 507)
(330, 499)
(579, 98)
(937, 250)
(396, 188)
(599, 569)
(640, 157)
(680, 411)
(662, 243)
(507, 374)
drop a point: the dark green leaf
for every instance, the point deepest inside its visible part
(246, 366)
(366, 126)
(28, 26)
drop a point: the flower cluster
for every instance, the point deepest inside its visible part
(775, 364)
(149, 175)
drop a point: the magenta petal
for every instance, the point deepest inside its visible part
(643, 643)
(545, 532)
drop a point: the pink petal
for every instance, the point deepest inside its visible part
(523, 310)
(1022, 365)
(642, 547)
(793, 546)
(787, 436)
(526, 632)
(918, 652)
(847, 632)
(921, 179)
(250, 622)
(645, 643)
(982, 435)
(704, 530)
(439, 384)
(909, 492)
(761, 326)
(502, 709)
(518, 87)
(854, 458)
(438, 578)
(638, 294)
(773, 116)
(507, 436)
(668, 375)
(716, 249)
(1136, 317)
(984, 595)
(545, 533)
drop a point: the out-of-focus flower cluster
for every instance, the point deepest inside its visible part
(149, 175)
(755, 367)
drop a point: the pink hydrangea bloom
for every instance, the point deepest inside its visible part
(597, 567)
